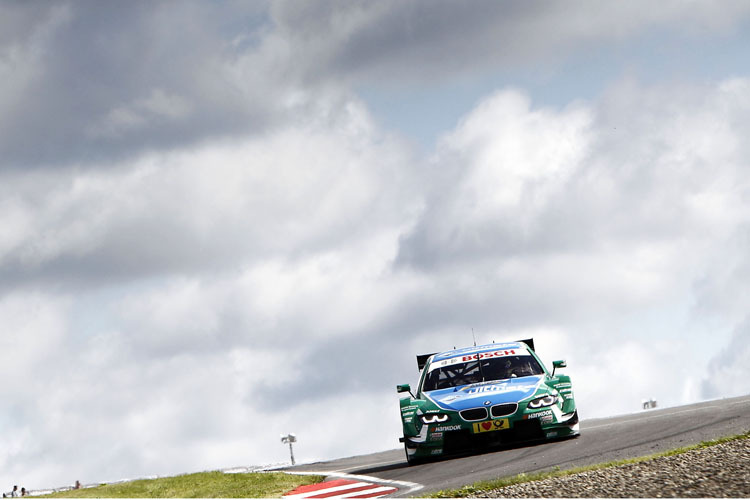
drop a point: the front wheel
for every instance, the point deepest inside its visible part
(410, 459)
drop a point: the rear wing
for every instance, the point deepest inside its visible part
(528, 342)
(422, 358)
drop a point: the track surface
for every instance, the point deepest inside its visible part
(601, 440)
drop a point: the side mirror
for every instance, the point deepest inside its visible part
(558, 364)
(403, 388)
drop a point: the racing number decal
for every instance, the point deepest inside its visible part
(492, 425)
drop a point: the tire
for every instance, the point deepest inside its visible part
(411, 460)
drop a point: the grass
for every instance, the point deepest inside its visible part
(199, 485)
(494, 484)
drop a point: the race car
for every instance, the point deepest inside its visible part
(484, 396)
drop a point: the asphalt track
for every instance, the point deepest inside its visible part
(601, 440)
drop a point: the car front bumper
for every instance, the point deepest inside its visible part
(455, 437)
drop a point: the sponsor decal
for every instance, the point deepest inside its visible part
(486, 388)
(456, 352)
(544, 419)
(445, 428)
(552, 434)
(504, 387)
(539, 414)
(438, 451)
(491, 425)
(493, 354)
(567, 393)
(446, 362)
(458, 357)
(436, 436)
(498, 391)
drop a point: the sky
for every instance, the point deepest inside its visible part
(226, 221)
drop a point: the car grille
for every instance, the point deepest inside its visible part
(503, 410)
(474, 414)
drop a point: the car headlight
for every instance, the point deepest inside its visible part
(547, 400)
(434, 418)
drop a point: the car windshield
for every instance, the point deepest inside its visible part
(491, 369)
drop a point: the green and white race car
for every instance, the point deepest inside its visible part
(482, 396)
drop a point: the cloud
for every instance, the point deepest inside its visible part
(728, 371)
(587, 203)
(210, 208)
(91, 84)
(592, 218)
(158, 106)
(499, 172)
(238, 288)
(181, 287)
(217, 244)
(420, 41)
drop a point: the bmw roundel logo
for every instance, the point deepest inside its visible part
(487, 403)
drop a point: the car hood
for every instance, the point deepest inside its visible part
(496, 392)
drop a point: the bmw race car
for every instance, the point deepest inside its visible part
(482, 396)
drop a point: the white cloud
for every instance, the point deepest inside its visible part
(728, 371)
(280, 195)
(34, 334)
(511, 148)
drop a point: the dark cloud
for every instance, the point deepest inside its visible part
(87, 81)
(109, 81)
(19, 19)
(380, 38)
(400, 43)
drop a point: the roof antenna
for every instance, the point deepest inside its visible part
(479, 356)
